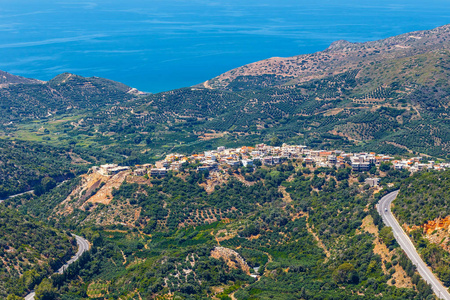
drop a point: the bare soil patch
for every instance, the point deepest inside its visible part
(401, 279)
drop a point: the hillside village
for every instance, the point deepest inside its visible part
(262, 154)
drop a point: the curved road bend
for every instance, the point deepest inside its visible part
(384, 209)
(83, 246)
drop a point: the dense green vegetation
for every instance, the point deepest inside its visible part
(168, 249)
(300, 230)
(29, 252)
(423, 197)
(391, 106)
(29, 165)
(161, 264)
(62, 94)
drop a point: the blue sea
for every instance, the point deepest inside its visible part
(158, 45)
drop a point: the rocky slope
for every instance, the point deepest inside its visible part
(340, 57)
(7, 79)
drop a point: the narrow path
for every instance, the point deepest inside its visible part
(318, 240)
(286, 196)
(83, 246)
(124, 257)
(384, 209)
(232, 296)
(310, 228)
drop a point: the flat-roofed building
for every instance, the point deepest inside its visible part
(140, 172)
(162, 164)
(332, 159)
(268, 160)
(372, 181)
(234, 163)
(276, 160)
(203, 168)
(176, 166)
(111, 169)
(247, 162)
(158, 172)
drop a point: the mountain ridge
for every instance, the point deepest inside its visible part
(403, 45)
(7, 79)
(352, 96)
(34, 99)
(296, 222)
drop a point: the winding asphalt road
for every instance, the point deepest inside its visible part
(28, 192)
(83, 246)
(13, 196)
(384, 209)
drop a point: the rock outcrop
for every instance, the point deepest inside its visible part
(232, 258)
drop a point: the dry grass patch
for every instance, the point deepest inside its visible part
(401, 279)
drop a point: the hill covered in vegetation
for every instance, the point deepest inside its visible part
(423, 197)
(29, 252)
(423, 207)
(8, 79)
(270, 232)
(338, 58)
(387, 96)
(62, 94)
(35, 166)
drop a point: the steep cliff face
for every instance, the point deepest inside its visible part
(436, 231)
(96, 190)
(438, 224)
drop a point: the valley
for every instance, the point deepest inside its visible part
(261, 183)
(374, 95)
(145, 220)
